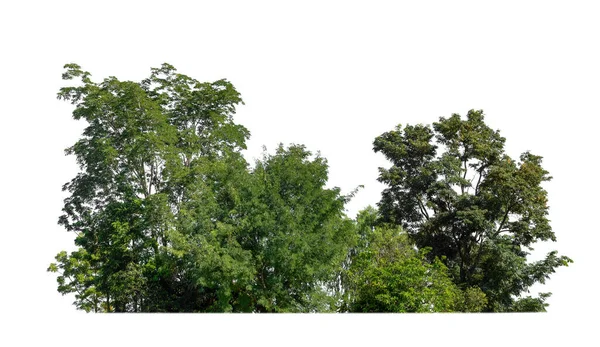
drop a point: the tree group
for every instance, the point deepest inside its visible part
(169, 216)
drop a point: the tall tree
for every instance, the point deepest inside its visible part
(454, 190)
(169, 217)
(141, 155)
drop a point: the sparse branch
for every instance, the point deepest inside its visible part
(504, 219)
(422, 208)
(479, 179)
(462, 184)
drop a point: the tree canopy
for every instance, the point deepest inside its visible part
(453, 189)
(168, 216)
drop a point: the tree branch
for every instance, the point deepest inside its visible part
(503, 221)
(462, 184)
(477, 257)
(479, 180)
(422, 208)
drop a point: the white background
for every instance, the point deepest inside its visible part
(327, 74)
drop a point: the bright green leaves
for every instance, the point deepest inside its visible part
(387, 274)
(76, 274)
(455, 191)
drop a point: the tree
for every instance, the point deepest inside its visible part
(141, 156)
(454, 190)
(388, 274)
(296, 230)
(169, 217)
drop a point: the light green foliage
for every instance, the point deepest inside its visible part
(77, 276)
(170, 218)
(455, 191)
(472, 299)
(388, 274)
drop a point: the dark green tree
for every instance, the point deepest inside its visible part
(455, 191)
(297, 232)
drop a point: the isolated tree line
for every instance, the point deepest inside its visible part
(169, 216)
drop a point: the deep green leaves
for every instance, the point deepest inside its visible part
(455, 191)
(170, 218)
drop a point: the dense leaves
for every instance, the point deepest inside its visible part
(169, 217)
(296, 231)
(388, 274)
(454, 190)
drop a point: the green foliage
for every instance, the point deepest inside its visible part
(473, 299)
(295, 228)
(388, 274)
(77, 276)
(529, 304)
(452, 188)
(169, 217)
